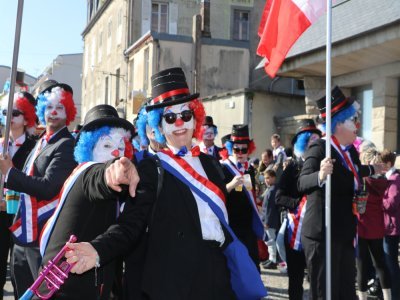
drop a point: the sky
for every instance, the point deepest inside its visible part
(49, 28)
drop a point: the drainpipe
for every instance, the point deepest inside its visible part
(248, 113)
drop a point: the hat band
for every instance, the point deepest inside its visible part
(336, 108)
(308, 128)
(166, 95)
(240, 138)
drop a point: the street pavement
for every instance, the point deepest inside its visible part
(275, 282)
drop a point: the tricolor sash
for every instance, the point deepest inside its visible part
(258, 226)
(31, 211)
(245, 278)
(295, 222)
(48, 227)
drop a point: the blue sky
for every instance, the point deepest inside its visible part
(49, 28)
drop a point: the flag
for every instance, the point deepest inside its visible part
(282, 23)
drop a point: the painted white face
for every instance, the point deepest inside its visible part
(110, 146)
(209, 134)
(179, 133)
(54, 109)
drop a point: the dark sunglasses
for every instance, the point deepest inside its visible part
(15, 113)
(185, 116)
(241, 150)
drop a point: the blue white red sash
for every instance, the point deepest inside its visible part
(245, 279)
(48, 227)
(295, 222)
(31, 212)
(258, 226)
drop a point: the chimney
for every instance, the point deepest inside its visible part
(205, 16)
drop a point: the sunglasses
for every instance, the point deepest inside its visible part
(240, 150)
(185, 116)
(15, 113)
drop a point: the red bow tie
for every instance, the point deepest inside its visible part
(18, 144)
(183, 151)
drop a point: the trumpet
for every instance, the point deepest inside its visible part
(53, 275)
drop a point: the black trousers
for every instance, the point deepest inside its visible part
(375, 247)
(343, 268)
(296, 263)
(5, 244)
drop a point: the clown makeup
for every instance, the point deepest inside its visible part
(240, 152)
(209, 133)
(55, 110)
(110, 146)
(179, 133)
(54, 113)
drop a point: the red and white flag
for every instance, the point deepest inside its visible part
(282, 23)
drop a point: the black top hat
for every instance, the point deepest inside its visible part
(240, 134)
(225, 138)
(339, 102)
(169, 87)
(104, 115)
(208, 121)
(20, 77)
(49, 84)
(30, 98)
(305, 125)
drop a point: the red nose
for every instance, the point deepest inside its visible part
(53, 113)
(179, 122)
(115, 153)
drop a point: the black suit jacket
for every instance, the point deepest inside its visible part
(342, 192)
(88, 210)
(22, 153)
(175, 243)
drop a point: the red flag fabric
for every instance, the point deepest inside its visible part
(282, 23)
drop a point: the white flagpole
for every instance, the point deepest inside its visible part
(12, 83)
(328, 150)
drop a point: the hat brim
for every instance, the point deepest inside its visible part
(111, 122)
(64, 86)
(316, 130)
(172, 102)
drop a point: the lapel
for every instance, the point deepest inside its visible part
(23, 152)
(59, 135)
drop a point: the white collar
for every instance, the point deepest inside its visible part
(390, 172)
(20, 140)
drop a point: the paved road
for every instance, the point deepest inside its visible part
(275, 281)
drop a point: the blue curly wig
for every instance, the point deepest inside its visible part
(141, 123)
(154, 121)
(40, 108)
(300, 146)
(341, 117)
(83, 151)
(229, 147)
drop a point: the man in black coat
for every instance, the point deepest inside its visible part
(207, 145)
(347, 172)
(45, 170)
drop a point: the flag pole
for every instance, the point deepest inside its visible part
(328, 150)
(12, 83)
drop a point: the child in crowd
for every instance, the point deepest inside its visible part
(271, 218)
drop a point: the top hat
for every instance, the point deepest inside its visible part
(49, 84)
(20, 77)
(339, 102)
(305, 125)
(208, 121)
(169, 87)
(104, 115)
(240, 134)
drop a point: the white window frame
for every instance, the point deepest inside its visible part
(160, 5)
(240, 33)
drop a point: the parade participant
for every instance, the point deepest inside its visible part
(346, 171)
(23, 122)
(187, 222)
(207, 145)
(240, 204)
(83, 209)
(289, 198)
(45, 170)
(223, 153)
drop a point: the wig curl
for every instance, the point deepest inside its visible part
(83, 151)
(300, 146)
(23, 105)
(65, 99)
(250, 144)
(340, 117)
(141, 123)
(199, 115)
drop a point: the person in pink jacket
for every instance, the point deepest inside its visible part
(391, 215)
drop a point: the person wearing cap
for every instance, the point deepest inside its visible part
(23, 121)
(243, 214)
(289, 198)
(86, 210)
(189, 240)
(346, 173)
(50, 162)
(207, 145)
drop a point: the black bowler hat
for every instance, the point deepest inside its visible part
(305, 125)
(208, 121)
(225, 138)
(104, 115)
(169, 87)
(240, 134)
(49, 84)
(339, 102)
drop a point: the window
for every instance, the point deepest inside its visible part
(146, 71)
(109, 29)
(117, 81)
(241, 25)
(364, 95)
(99, 49)
(106, 91)
(109, 34)
(159, 17)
